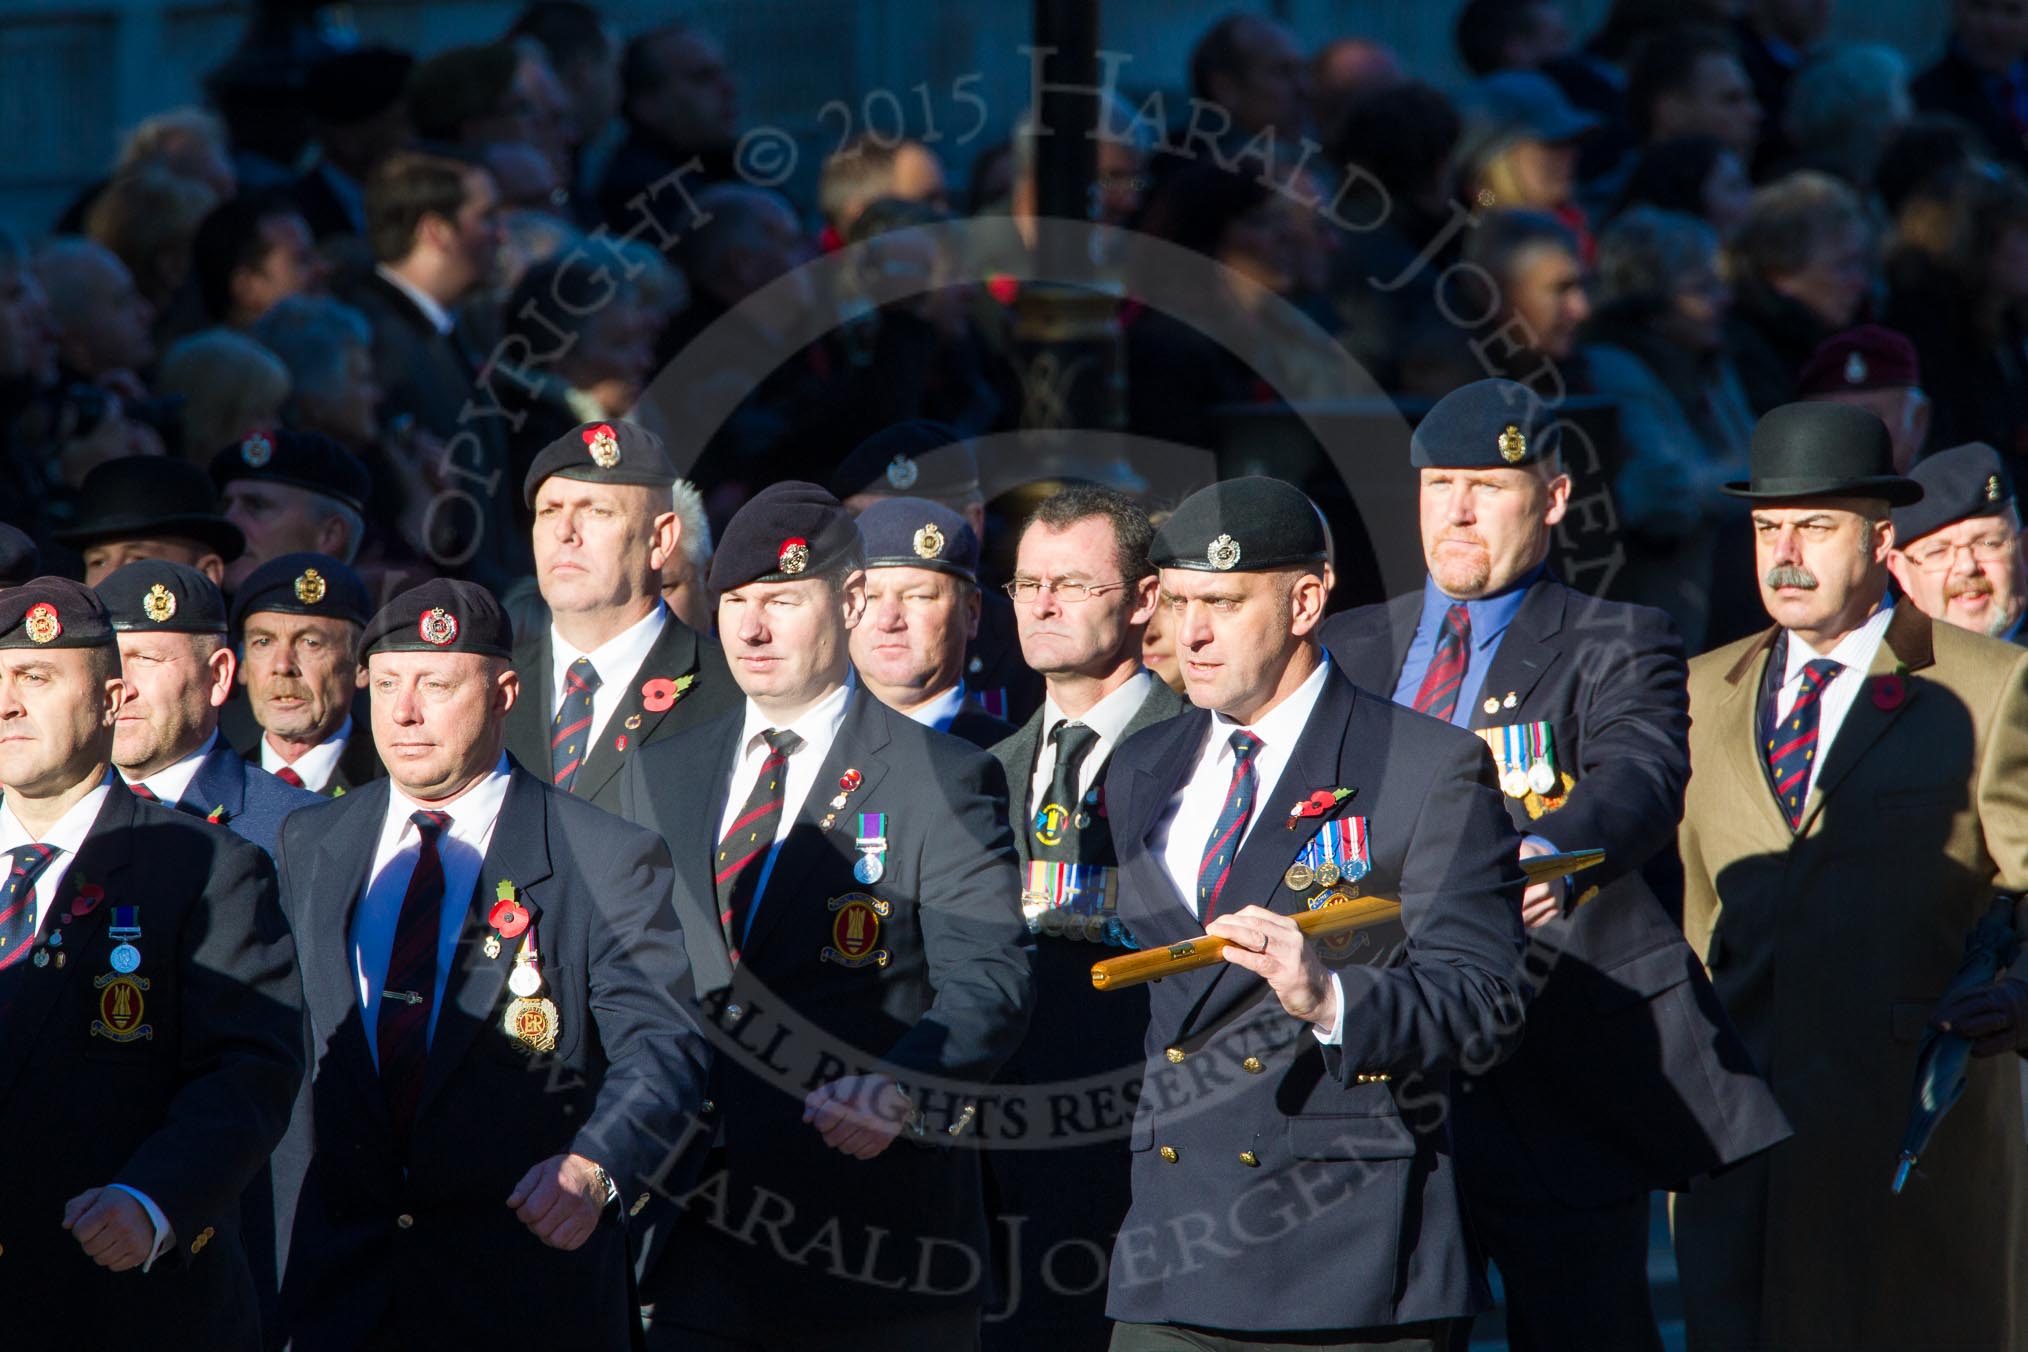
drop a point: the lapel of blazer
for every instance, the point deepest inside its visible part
(338, 874)
(518, 853)
(359, 764)
(693, 839)
(1373, 643)
(103, 859)
(529, 723)
(1161, 704)
(218, 786)
(861, 738)
(1167, 916)
(1524, 654)
(1906, 644)
(674, 655)
(1736, 721)
(1017, 757)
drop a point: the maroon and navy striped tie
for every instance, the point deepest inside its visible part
(1438, 696)
(1223, 845)
(17, 900)
(402, 1029)
(1792, 746)
(751, 834)
(573, 729)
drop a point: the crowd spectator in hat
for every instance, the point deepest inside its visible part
(1982, 77)
(1345, 72)
(1957, 553)
(922, 610)
(291, 492)
(1876, 369)
(296, 621)
(680, 100)
(868, 168)
(251, 253)
(1776, 39)
(1696, 175)
(1689, 82)
(1519, 148)
(1800, 268)
(358, 106)
(227, 383)
(104, 325)
(1656, 346)
(150, 507)
(1844, 110)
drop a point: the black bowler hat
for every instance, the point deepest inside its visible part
(916, 458)
(53, 612)
(918, 533)
(1248, 525)
(786, 532)
(1823, 450)
(602, 453)
(443, 615)
(157, 596)
(309, 460)
(138, 497)
(1958, 484)
(19, 558)
(1488, 424)
(302, 584)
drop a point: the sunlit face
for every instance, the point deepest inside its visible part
(1483, 529)
(1820, 562)
(299, 673)
(1236, 633)
(1969, 573)
(56, 719)
(600, 546)
(175, 683)
(786, 642)
(1061, 636)
(1545, 291)
(911, 641)
(439, 719)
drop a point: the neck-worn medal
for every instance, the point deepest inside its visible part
(531, 1018)
(872, 843)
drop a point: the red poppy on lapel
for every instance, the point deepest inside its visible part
(1889, 692)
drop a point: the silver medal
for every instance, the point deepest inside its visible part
(869, 869)
(126, 958)
(1541, 778)
(524, 980)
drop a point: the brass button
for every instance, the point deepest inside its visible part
(640, 1205)
(1249, 1159)
(405, 1221)
(1381, 1077)
(1175, 1055)
(1169, 1153)
(1252, 1065)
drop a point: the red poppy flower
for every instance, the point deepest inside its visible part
(508, 917)
(87, 900)
(658, 695)
(849, 780)
(1888, 692)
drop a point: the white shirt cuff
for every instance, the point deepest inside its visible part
(1336, 1037)
(164, 1237)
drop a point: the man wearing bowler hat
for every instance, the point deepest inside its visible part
(1861, 790)
(291, 492)
(1957, 552)
(150, 507)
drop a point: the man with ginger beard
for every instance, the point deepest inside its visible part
(1957, 553)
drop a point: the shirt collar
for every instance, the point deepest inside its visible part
(1854, 651)
(71, 828)
(819, 722)
(1490, 615)
(618, 658)
(315, 766)
(171, 782)
(938, 712)
(1110, 716)
(440, 319)
(472, 811)
(1282, 725)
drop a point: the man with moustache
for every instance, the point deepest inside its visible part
(844, 872)
(154, 1021)
(1308, 1076)
(615, 671)
(1629, 1078)
(922, 608)
(178, 672)
(1861, 791)
(499, 1047)
(1957, 552)
(1083, 590)
(298, 619)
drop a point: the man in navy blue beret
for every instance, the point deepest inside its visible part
(1957, 552)
(291, 492)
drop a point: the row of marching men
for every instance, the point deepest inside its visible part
(796, 1046)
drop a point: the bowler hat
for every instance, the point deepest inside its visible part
(1820, 450)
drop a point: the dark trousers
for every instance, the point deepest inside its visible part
(1436, 1335)
(1574, 1280)
(945, 1331)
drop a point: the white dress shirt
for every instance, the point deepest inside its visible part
(68, 837)
(170, 783)
(1108, 718)
(440, 319)
(937, 714)
(314, 767)
(818, 727)
(462, 850)
(617, 661)
(1855, 654)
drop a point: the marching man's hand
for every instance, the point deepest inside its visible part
(1994, 1016)
(1269, 945)
(859, 1115)
(560, 1200)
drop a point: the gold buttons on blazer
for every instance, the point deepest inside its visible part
(1168, 1152)
(640, 1205)
(1249, 1159)
(1381, 1077)
(203, 1238)
(1175, 1055)
(1252, 1065)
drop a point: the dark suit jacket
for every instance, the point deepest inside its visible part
(1017, 753)
(1239, 1101)
(1630, 1077)
(246, 800)
(940, 1012)
(185, 1113)
(1954, 87)
(680, 651)
(358, 764)
(432, 1256)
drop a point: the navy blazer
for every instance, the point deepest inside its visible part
(185, 1108)
(938, 998)
(1631, 1077)
(1314, 1189)
(429, 1254)
(231, 791)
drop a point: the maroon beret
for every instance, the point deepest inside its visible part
(1866, 358)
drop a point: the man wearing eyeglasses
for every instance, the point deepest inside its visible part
(1957, 553)
(1083, 592)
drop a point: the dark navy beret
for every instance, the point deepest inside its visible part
(53, 612)
(299, 459)
(787, 531)
(443, 615)
(1241, 525)
(1488, 424)
(1957, 485)
(918, 457)
(303, 584)
(602, 453)
(19, 558)
(155, 595)
(918, 533)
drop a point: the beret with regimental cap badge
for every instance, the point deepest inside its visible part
(443, 615)
(303, 584)
(298, 459)
(1957, 485)
(602, 453)
(20, 560)
(918, 533)
(53, 612)
(157, 596)
(1822, 450)
(786, 532)
(1869, 357)
(1488, 424)
(1253, 524)
(917, 458)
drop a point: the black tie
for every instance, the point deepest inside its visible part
(571, 731)
(1053, 828)
(17, 900)
(752, 833)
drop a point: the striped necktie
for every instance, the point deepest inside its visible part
(1792, 743)
(17, 900)
(1222, 846)
(1438, 696)
(752, 833)
(571, 737)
